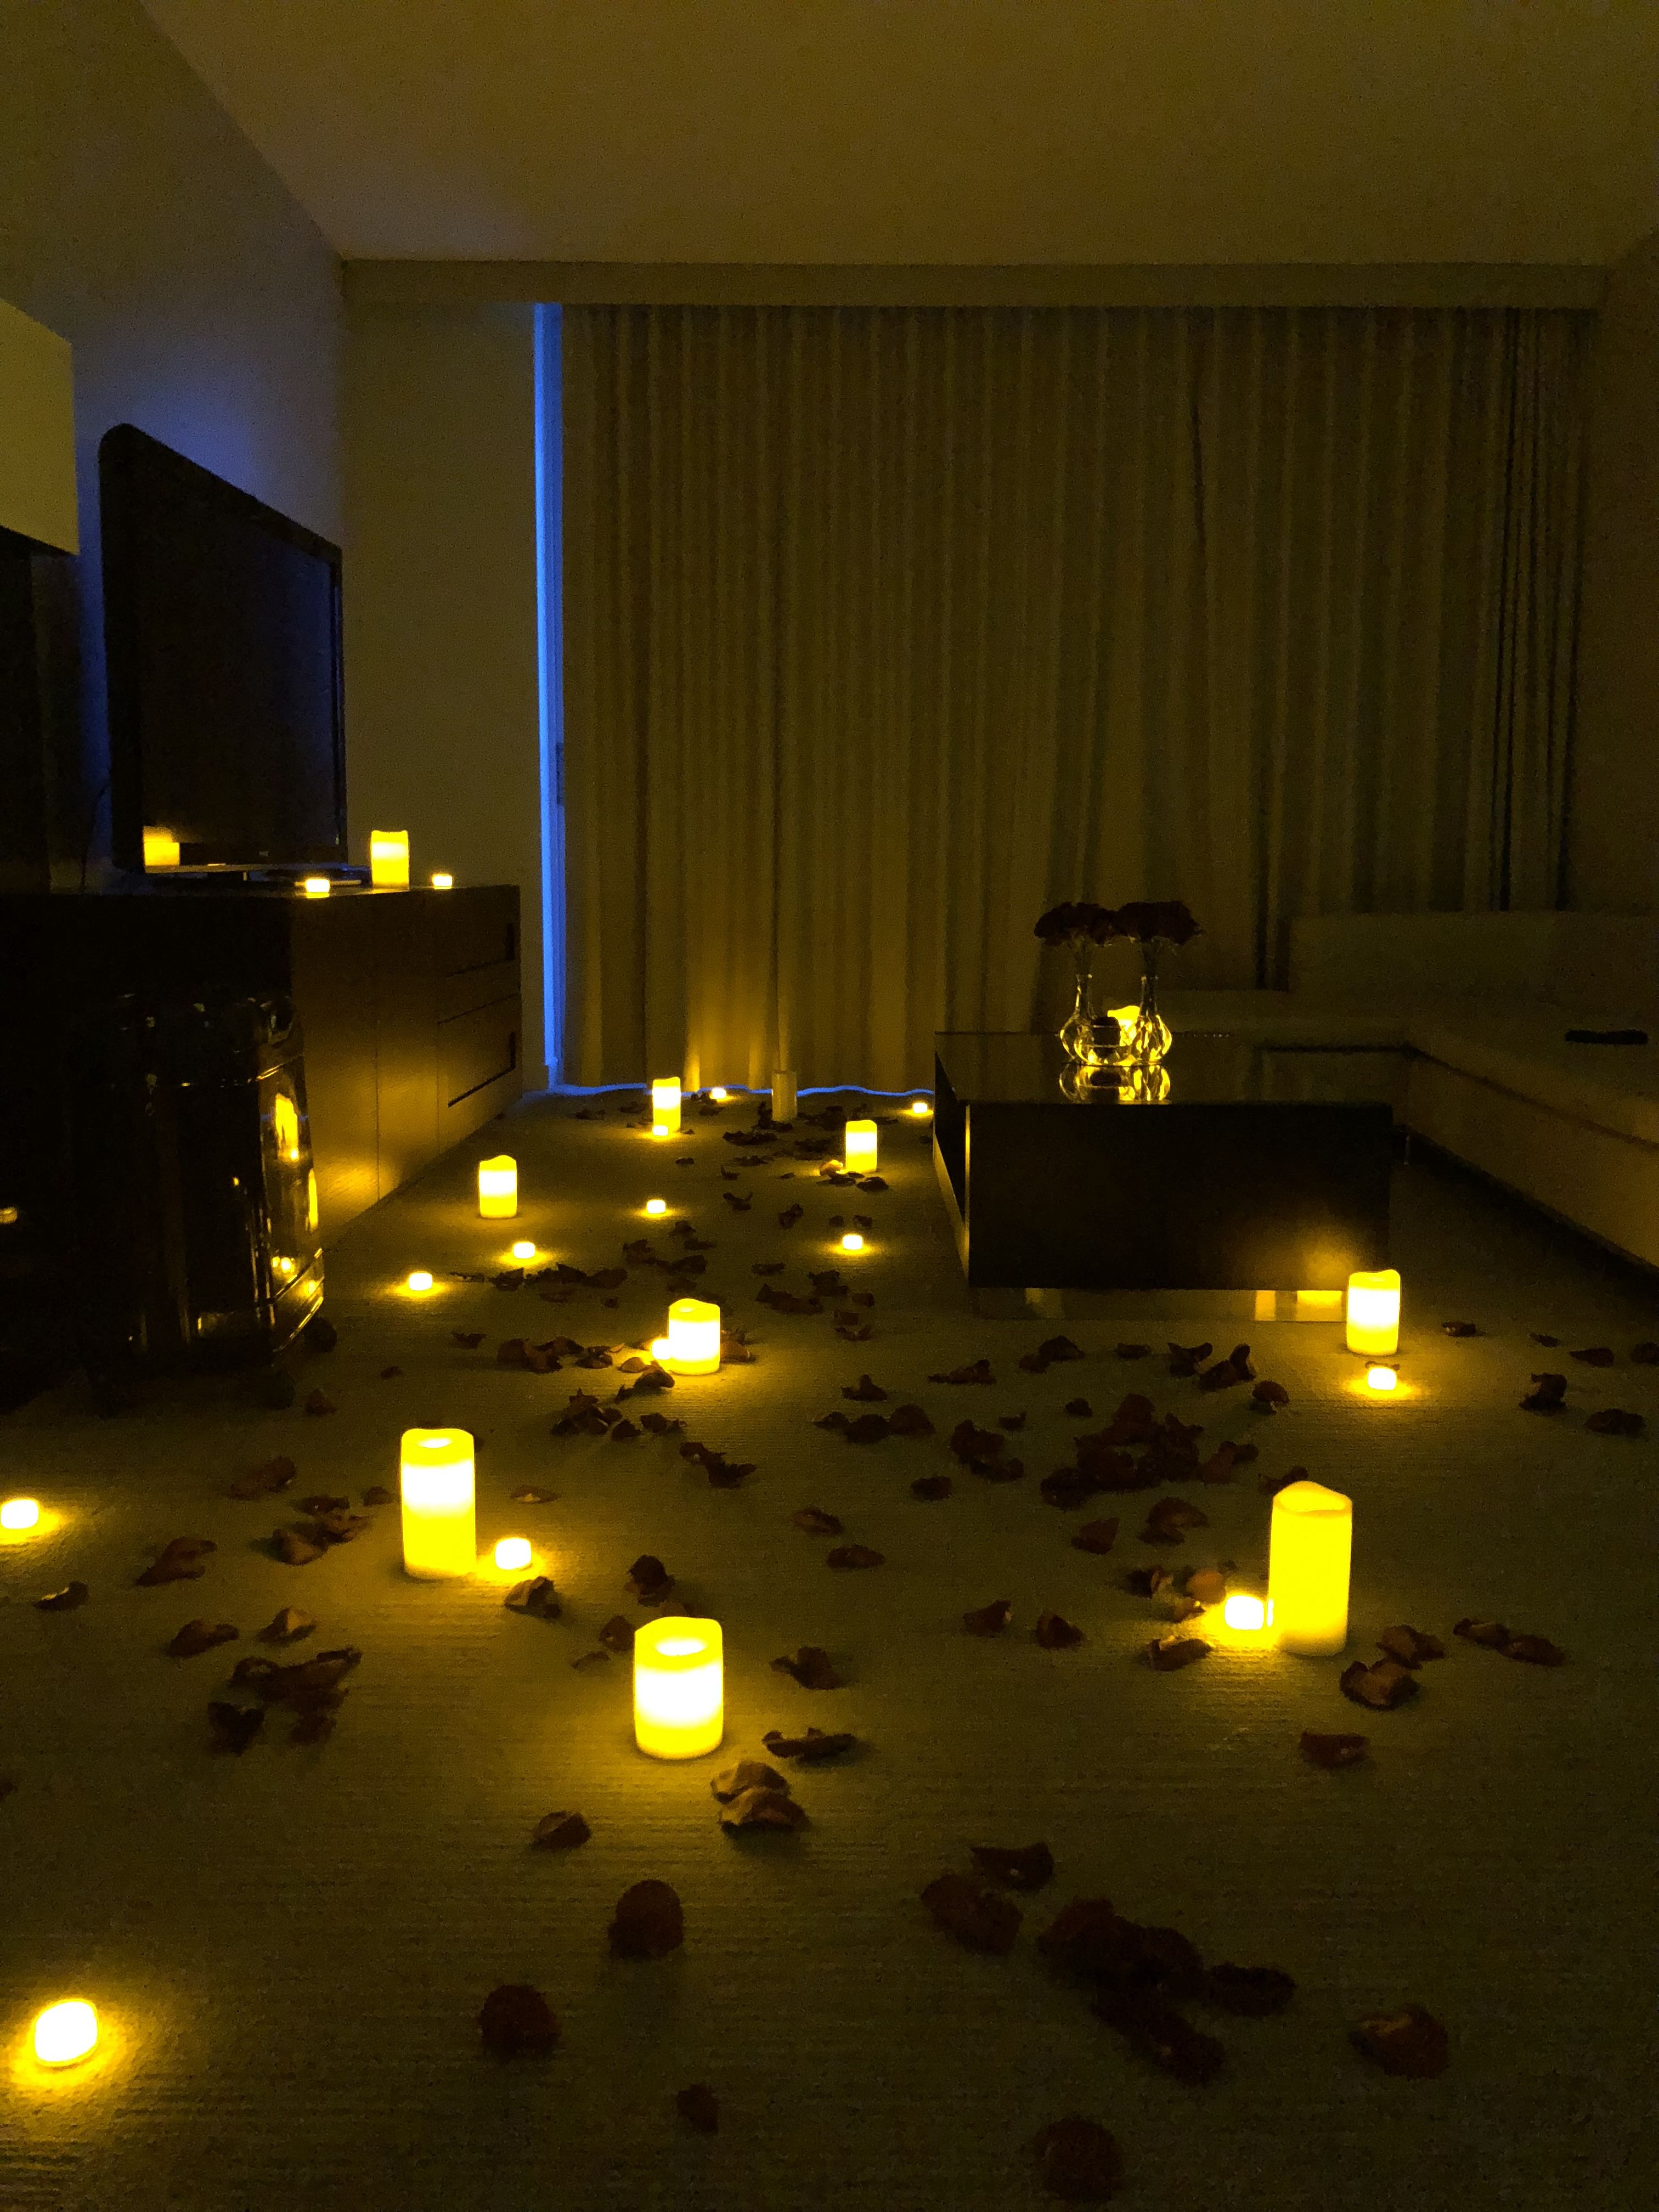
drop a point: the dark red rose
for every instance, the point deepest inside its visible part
(1167, 919)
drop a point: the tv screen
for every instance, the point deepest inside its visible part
(222, 629)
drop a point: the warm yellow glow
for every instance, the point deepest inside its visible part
(498, 1188)
(311, 1198)
(388, 859)
(1382, 1378)
(161, 849)
(666, 1104)
(920, 1107)
(661, 1129)
(1308, 1555)
(20, 1513)
(285, 1266)
(1126, 1017)
(420, 1281)
(784, 1100)
(1374, 1311)
(860, 1147)
(64, 2032)
(440, 1534)
(656, 1206)
(285, 1125)
(679, 1697)
(694, 1337)
(1244, 1612)
(720, 1093)
(316, 886)
(513, 1552)
(524, 1249)
(852, 1242)
(660, 1348)
(443, 881)
(1318, 1305)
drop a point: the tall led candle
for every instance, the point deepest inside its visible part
(388, 859)
(783, 1095)
(679, 1687)
(693, 1338)
(860, 1153)
(1309, 1556)
(1374, 1312)
(440, 1527)
(498, 1188)
(666, 1103)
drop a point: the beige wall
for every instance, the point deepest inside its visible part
(1613, 823)
(443, 697)
(201, 302)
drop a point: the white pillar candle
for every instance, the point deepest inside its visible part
(666, 1104)
(1374, 1312)
(20, 1513)
(388, 859)
(694, 1337)
(1308, 1555)
(441, 1532)
(783, 1095)
(498, 1188)
(860, 1153)
(679, 1688)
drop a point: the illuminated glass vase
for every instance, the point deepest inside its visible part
(1077, 1030)
(1150, 1038)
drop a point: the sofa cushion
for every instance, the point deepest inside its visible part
(1523, 1050)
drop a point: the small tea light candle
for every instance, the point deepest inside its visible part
(1309, 1556)
(388, 859)
(919, 1108)
(693, 1339)
(511, 1553)
(852, 1242)
(420, 1281)
(665, 1105)
(498, 1188)
(161, 849)
(655, 1207)
(441, 1530)
(783, 1095)
(860, 1147)
(1245, 1614)
(1374, 1311)
(524, 1249)
(20, 1513)
(720, 1093)
(660, 1129)
(64, 2032)
(316, 886)
(1382, 1378)
(679, 1688)
(443, 881)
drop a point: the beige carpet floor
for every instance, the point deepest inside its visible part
(290, 1946)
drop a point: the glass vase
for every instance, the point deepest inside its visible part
(1077, 1030)
(1152, 1038)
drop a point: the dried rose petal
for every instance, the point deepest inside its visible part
(648, 1579)
(810, 1668)
(762, 1808)
(1078, 2160)
(1055, 1633)
(649, 1923)
(275, 1474)
(183, 1560)
(559, 1832)
(932, 1486)
(1251, 1991)
(1161, 2034)
(855, 1555)
(977, 1917)
(1410, 2041)
(618, 1634)
(1410, 1646)
(198, 1636)
(1381, 1687)
(746, 1774)
(816, 1522)
(1167, 1655)
(516, 2018)
(1538, 1651)
(812, 1747)
(1029, 1866)
(537, 1597)
(699, 2107)
(234, 1727)
(294, 1550)
(988, 1619)
(63, 1601)
(1096, 1536)
(1333, 1750)
(909, 1421)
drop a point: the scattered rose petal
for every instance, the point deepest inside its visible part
(1168, 1517)
(1079, 1409)
(1253, 1992)
(746, 1774)
(929, 1487)
(1266, 1395)
(649, 1923)
(649, 1580)
(528, 1496)
(989, 1619)
(1078, 2159)
(468, 1339)
(286, 1626)
(1055, 1633)
(977, 1917)
(1548, 1396)
(559, 1832)
(699, 2107)
(816, 1522)
(1536, 1650)
(1410, 1646)
(1027, 1867)
(272, 1475)
(516, 2018)
(1596, 1355)
(1381, 1687)
(975, 1370)
(378, 1494)
(1159, 2033)
(810, 1668)
(1147, 1582)
(855, 1555)
(1410, 2041)
(537, 1597)
(815, 1744)
(339, 1527)
(1613, 1422)
(1207, 1584)
(1492, 1633)
(1645, 1354)
(1549, 1343)
(1096, 1536)
(1186, 1360)
(618, 1634)
(1134, 1350)
(1333, 1750)
(183, 1560)
(1459, 1328)
(198, 1636)
(909, 1421)
(63, 1601)
(319, 1402)
(294, 1550)
(1167, 1655)
(864, 1389)
(763, 1808)
(234, 1727)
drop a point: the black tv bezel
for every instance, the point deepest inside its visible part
(122, 452)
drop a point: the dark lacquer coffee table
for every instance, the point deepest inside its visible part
(1263, 1167)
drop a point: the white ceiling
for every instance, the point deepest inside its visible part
(970, 131)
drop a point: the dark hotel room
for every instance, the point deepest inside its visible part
(828, 1104)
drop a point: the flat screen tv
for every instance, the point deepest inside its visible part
(221, 635)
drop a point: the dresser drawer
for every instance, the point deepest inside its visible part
(476, 1049)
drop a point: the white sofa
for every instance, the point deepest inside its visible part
(1472, 1011)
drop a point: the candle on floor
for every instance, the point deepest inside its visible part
(524, 1249)
(720, 1093)
(443, 881)
(64, 2032)
(388, 859)
(666, 1104)
(1309, 1556)
(441, 1531)
(513, 1552)
(20, 1513)
(316, 886)
(660, 1129)
(161, 849)
(783, 1095)
(1382, 1378)
(679, 1691)
(1127, 1018)
(1244, 1612)
(498, 1188)
(1374, 1311)
(655, 1207)
(920, 1107)
(860, 1147)
(420, 1281)
(693, 1338)
(852, 1242)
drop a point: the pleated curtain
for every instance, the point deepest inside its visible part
(886, 628)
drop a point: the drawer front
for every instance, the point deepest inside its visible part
(478, 986)
(474, 929)
(476, 1048)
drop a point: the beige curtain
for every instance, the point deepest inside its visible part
(884, 629)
